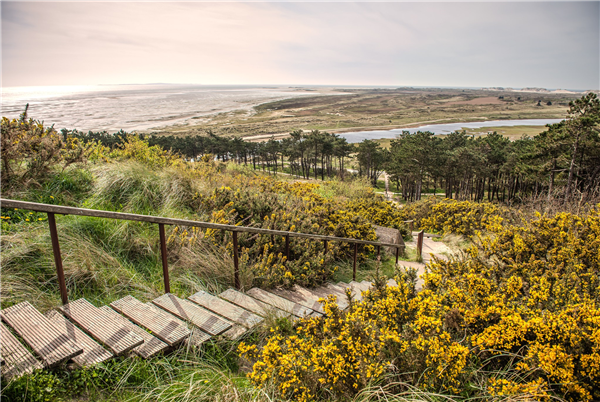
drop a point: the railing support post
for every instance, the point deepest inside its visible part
(287, 247)
(163, 255)
(325, 245)
(378, 253)
(355, 256)
(236, 263)
(60, 273)
(420, 244)
(397, 254)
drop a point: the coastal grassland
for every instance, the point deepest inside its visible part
(108, 259)
(515, 317)
(363, 109)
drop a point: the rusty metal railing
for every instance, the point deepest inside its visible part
(51, 210)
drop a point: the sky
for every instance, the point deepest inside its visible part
(456, 44)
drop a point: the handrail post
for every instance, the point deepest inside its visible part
(420, 244)
(60, 273)
(378, 253)
(163, 254)
(236, 266)
(355, 256)
(287, 247)
(325, 245)
(397, 254)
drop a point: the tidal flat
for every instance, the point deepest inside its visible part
(360, 109)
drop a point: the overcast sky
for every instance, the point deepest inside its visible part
(512, 44)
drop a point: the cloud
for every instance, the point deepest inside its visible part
(460, 44)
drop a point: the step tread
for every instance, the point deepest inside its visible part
(235, 332)
(151, 346)
(50, 345)
(226, 309)
(93, 352)
(188, 311)
(17, 359)
(304, 298)
(159, 322)
(101, 327)
(252, 304)
(281, 303)
(323, 292)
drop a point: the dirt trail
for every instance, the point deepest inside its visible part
(431, 249)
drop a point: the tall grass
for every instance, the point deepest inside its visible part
(188, 374)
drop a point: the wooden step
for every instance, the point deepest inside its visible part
(356, 292)
(188, 311)
(392, 283)
(251, 304)
(16, 357)
(283, 304)
(301, 296)
(101, 326)
(324, 292)
(235, 332)
(364, 285)
(196, 338)
(228, 310)
(50, 344)
(336, 290)
(92, 352)
(151, 346)
(341, 290)
(160, 323)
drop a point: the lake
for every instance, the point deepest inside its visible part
(446, 128)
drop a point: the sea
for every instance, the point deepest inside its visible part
(135, 107)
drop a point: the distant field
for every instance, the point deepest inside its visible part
(363, 109)
(513, 133)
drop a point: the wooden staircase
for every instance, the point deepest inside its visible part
(84, 334)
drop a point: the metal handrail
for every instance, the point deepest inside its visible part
(161, 221)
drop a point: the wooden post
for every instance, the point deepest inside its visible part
(397, 254)
(420, 244)
(378, 253)
(325, 245)
(60, 273)
(355, 256)
(287, 247)
(163, 254)
(236, 266)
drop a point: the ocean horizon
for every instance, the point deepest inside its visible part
(133, 107)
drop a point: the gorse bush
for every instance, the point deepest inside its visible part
(266, 203)
(139, 150)
(452, 216)
(30, 150)
(516, 316)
